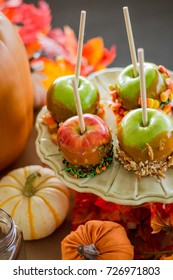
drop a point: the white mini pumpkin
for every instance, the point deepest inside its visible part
(35, 198)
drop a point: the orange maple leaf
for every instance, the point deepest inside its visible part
(96, 54)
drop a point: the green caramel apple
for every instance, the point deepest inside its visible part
(128, 86)
(153, 142)
(61, 102)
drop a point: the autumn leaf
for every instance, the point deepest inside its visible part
(169, 257)
(84, 209)
(161, 217)
(158, 224)
(10, 3)
(97, 55)
(66, 38)
(31, 20)
(54, 69)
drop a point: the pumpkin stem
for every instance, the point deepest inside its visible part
(28, 189)
(88, 251)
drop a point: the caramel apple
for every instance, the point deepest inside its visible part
(128, 86)
(89, 153)
(158, 89)
(60, 98)
(148, 146)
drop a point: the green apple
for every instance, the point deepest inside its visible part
(128, 86)
(133, 136)
(60, 97)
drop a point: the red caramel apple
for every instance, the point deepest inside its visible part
(146, 149)
(89, 153)
(61, 102)
(159, 89)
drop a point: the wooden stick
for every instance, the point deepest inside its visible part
(131, 41)
(142, 87)
(75, 81)
(80, 45)
(78, 106)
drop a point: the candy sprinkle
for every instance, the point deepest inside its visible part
(90, 170)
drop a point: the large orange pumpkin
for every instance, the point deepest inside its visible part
(100, 240)
(16, 97)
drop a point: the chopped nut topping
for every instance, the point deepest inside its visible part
(170, 162)
(147, 168)
(150, 151)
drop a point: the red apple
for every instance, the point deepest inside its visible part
(87, 148)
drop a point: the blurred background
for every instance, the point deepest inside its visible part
(152, 23)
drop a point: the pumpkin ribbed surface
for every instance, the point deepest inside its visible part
(100, 240)
(16, 96)
(38, 212)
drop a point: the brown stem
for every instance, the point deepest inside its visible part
(88, 251)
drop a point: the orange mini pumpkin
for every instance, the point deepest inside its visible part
(16, 96)
(100, 240)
